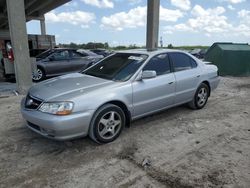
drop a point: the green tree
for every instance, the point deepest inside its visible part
(106, 45)
(170, 46)
(73, 45)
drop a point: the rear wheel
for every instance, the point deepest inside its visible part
(200, 97)
(107, 124)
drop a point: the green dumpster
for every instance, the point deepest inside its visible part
(231, 58)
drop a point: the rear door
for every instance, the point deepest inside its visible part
(153, 94)
(187, 75)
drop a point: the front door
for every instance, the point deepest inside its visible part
(58, 63)
(150, 95)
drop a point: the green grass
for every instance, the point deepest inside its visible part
(189, 47)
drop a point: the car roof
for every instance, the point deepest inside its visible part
(63, 49)
(98, 49)
(148, 52)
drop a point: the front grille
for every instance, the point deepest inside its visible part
(32, 103)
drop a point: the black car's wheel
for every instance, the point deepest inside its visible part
(38, 75)
(200, 97)
(107, 124)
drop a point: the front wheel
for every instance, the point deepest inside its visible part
(200, 97)
(107, 124)
(38, 75)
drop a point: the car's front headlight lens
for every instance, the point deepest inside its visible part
(57, 108)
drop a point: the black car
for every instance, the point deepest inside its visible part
(58, 61)
(199, 53)
(90, 55)
(101, 52)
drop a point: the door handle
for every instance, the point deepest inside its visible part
(198, 76)
(170, 83)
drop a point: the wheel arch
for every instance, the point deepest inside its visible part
(42, 68)
(209, 87)
(124, 108)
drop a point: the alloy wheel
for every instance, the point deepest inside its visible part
(109, 125)
(37, 75)
(202, 96)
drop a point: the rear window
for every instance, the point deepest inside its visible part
(182, 61)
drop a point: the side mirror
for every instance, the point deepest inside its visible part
(148, 74)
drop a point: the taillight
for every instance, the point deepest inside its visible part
(11, 55)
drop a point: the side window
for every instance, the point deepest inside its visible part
(181, 61)
(62, 55)
(160, 64)
(193, 62)
(76, 54)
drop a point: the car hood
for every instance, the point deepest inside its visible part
(70, 85)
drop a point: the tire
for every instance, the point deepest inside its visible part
(107, 124)
(4, 73)
(200, 97)
(39, 76)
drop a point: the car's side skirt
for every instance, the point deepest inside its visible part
(159, 110)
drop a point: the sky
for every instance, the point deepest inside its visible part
(123, 22)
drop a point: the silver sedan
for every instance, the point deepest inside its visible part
(124, 86)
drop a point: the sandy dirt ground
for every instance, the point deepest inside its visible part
(176, 148)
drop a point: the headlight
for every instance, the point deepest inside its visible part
(57, 108)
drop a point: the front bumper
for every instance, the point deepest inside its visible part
(57, 127)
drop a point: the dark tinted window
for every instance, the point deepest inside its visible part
(181, 61)
(61, 55)
(193, 63)
(160, 64)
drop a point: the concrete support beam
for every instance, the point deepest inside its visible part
(19, 41)
(28, 18)
(43, 27)
(36, 6)
(153, 10)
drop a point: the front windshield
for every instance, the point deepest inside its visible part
(118, 67)
(45, 54)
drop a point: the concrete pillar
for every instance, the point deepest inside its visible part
(153, 10)
(19, 41)
(43, 27)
